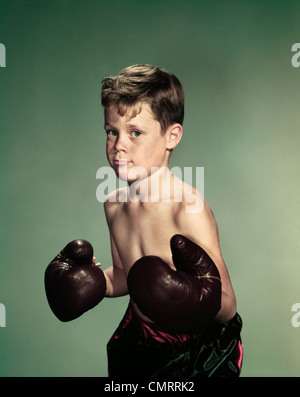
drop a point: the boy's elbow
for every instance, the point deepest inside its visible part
(228, 308)
(109, 286)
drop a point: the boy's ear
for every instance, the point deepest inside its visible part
(174, 134)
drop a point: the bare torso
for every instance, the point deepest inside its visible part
(140, 228)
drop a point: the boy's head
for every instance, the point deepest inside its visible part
(139, 84)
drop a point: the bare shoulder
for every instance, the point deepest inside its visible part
(195, 220)
(196, 217)
(114, 201)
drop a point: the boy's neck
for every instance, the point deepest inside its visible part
(156, 187)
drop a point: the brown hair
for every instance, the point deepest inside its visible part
(149, 84)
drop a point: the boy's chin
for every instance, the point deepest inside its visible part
(123, 176)
(132, 175)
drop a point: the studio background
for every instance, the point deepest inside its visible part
(241, 124)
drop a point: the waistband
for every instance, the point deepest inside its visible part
(151, 330)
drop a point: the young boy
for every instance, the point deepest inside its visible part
(144, 109)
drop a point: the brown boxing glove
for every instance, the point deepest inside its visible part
(73, 283)
(185, 300)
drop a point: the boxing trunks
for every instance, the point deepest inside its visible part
(142, 349)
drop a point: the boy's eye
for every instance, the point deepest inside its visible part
(111, 133)
(135, 134)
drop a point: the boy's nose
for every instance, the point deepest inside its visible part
(120, 144)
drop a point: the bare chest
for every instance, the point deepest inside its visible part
(140, 230)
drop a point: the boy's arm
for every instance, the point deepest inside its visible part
(116, 282)
(202, 229)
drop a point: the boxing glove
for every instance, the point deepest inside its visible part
(73, 283)
(184, 300)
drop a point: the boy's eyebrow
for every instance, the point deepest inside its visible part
(110, 125)
(135, 126)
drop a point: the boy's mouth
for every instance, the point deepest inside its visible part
(121, 162)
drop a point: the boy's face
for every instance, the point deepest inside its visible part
(134, 142)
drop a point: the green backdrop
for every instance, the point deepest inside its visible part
(241, 125)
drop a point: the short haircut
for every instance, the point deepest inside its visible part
(139, 84)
